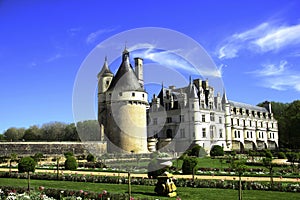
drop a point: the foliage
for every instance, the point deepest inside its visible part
(216, 150)
(197, 151)
(37, 157)
(268, 153)
(189, 165)
(292, 157)
(67, 154)
(26, 164)
(288, 116)
(90, 158)
(281, 155)
(89, 130)
(71, 163)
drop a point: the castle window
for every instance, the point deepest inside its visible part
(239, 134)
(181, 118)
(202, 104)
(238, 122)
(143, 95)
(212, 131)
(212, 117)
(133, 94)
(203, 118)
(107, 82)
(169, 119)
(251, 134)
(204, 132)
(120, 94)
(220, 120)
(250, 123)
(221, 133)
(182, 133)
(235, 135)
(247, 134)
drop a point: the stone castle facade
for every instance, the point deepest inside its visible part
(176, 117)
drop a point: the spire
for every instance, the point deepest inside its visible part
(224, 98)
(105, 69)
(125, 78)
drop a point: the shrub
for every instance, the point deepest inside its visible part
(90, 158)
(70, 163)
(67, 154)
(26, 164)
(216, 150)
(197, 151)
(281, 155)
(189, 163)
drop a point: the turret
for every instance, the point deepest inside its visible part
(104, 78)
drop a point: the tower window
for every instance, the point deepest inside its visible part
(203, 118)
(107, 82)
(204, 132)
(133, 94)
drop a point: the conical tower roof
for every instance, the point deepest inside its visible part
(125, 78)
(105, 71)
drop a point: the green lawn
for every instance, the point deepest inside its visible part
(147, 191)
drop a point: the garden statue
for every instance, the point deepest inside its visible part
(165, 185)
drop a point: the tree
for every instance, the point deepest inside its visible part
(216, 150)
(71, 133)
(89, 130)
(67, 154)
(32, 134)
(239, 167)
(90, 158)
(189, 165)
(53, 131)
(37, 157)
(267, 162)
(281, 155)
(14, 134)
(27, 165)
(197, 151)
(71, 163)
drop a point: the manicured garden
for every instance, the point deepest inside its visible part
(84, 189)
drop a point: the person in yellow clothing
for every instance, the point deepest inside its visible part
(165, 185)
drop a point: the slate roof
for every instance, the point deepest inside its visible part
(247, 106)
(125, 78)
(105, 69)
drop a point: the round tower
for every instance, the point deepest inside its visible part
(126, 101)
(105, 77)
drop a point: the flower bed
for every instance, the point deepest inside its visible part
(224, 184)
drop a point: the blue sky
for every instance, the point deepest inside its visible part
(254, 44)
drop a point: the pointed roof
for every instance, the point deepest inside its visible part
(224, 98)
(105, 71)
(125, 78)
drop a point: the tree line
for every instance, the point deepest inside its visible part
(54, 131)
(288, 116)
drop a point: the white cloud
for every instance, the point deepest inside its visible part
(278, 77)
(55, 57)
(93, 36)
(171, 59)
(262, 38)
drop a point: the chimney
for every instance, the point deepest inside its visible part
(139, 70)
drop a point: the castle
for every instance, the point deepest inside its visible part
(176, 117)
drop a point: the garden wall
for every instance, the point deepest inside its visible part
(51, 148)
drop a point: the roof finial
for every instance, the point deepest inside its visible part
(190, 79)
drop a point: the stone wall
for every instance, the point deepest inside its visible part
(52, 148)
